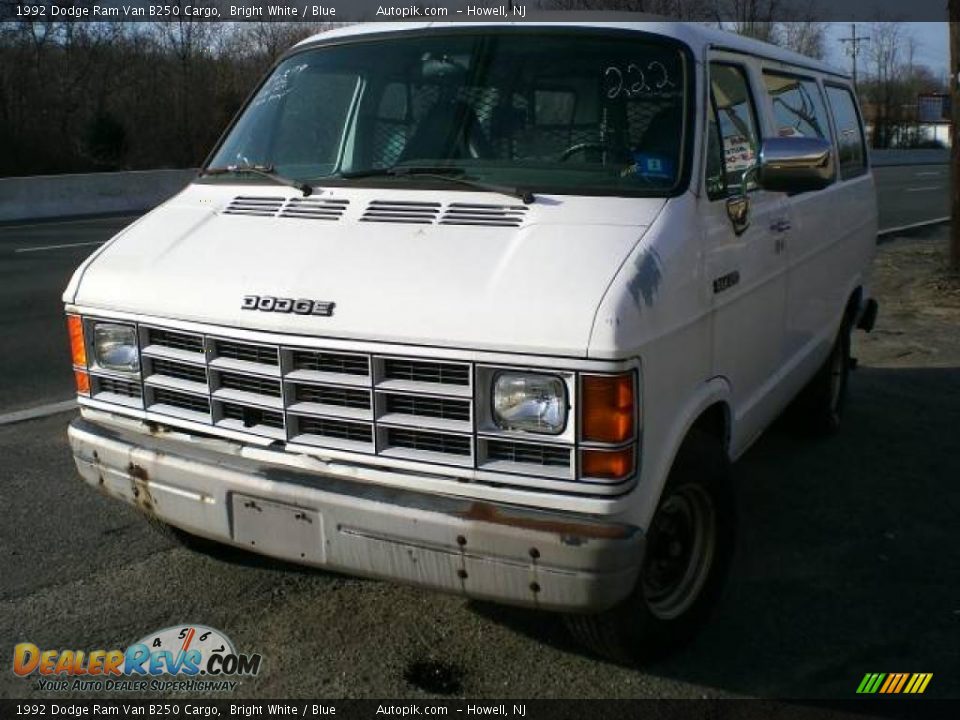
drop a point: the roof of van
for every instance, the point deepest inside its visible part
(695, 35)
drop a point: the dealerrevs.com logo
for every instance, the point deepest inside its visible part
(184, 658)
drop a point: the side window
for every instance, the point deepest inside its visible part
(733, 142)
(849, 132)
(797, 106)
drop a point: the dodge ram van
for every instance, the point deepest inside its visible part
(488, 309)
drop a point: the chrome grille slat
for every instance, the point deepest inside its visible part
(332, 395)
(528, 453)
(329, 362)
(186, 342)
(424, 371)
(420, 406)
(247, 352)
(180, 371)
(115, 386)
(248, 384)
(267, 418)
(337, 429)
(182, 400)
(428, 441)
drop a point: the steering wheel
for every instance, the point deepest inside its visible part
(581, 147)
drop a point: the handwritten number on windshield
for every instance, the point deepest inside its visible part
(631, 81)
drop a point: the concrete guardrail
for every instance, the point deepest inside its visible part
(910, 190)
(42, 197)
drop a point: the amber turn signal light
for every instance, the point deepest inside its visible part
(607, 464)
(78, 349)
(83, 382)
(607, 407)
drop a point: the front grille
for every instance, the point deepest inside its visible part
(184, 401)
(427, 372)
(118, 387)
(175, 340)
(181, 371)
(546, 455)
(336, 429)
(250, 384)
(432, 442)
(332, 395)
(420, 406)
(340, 363)
(251, 417)
(431, 414)
(263, 354)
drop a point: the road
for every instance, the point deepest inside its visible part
(846, 560)
(908, 194)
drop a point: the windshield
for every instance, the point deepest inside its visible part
(552, 112)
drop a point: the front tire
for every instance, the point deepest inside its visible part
(689, 543)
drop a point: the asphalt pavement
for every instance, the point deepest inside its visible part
(846, 560)
(36, 262)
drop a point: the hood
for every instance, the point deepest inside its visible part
(454, 269)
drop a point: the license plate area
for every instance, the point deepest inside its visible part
(278, 529)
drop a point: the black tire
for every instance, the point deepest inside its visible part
(670, 602)
(819, 406)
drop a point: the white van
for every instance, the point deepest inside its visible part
(488, 309)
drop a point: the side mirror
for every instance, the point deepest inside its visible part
(795, 164)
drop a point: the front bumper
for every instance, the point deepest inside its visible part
(504, 553)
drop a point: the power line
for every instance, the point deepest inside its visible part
(853, 47)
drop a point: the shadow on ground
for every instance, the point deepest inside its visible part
(847, 558)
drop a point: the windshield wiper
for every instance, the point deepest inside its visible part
(442, 172)
(266, 171)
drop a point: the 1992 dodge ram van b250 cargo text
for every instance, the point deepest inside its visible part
(487, 309)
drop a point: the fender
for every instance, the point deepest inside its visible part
(654, 476)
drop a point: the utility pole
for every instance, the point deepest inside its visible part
(853, 48)
(954, 13)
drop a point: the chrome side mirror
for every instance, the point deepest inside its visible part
(795, 164)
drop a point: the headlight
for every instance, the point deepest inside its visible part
(115, 347)
(536, 403)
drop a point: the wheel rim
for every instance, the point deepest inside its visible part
(680, 549)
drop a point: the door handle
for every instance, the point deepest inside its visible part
(780, 225)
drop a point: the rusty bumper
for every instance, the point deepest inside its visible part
(549, 560)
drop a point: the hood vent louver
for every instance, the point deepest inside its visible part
(490, 215)
(304, 208)
(253, 205)
(400, 211)
(311, 208)
(386, 211)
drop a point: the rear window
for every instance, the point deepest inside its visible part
(850, 142)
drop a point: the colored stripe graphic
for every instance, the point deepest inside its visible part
(894, 683)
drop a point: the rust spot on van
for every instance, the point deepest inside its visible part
(156, 429)
(484, 512)
(140, 482)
